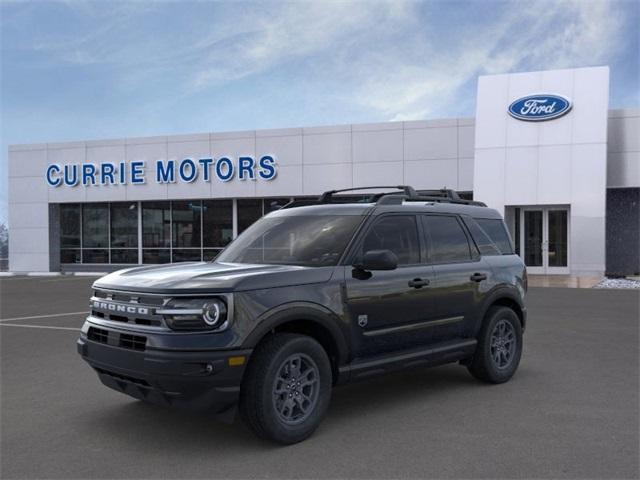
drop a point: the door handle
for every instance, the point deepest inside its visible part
(478, 277)
(418, 283)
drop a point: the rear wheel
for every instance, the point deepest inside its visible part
(499, 346)
(287, 388)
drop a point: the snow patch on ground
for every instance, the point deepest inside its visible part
(618, 283)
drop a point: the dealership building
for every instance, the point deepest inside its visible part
(544, 149)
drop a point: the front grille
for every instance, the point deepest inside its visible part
(98, 335)
(131, 308)
(133, 342)
(122, 340)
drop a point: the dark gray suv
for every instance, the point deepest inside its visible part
(312, 296)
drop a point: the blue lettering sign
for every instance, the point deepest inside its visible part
(51, 180)
(165, 174)
(166, 171)
(188, 174)
(267, 168)
(222, 165)
(137, 173)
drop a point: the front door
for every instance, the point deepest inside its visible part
(390, 310)
(544, 239)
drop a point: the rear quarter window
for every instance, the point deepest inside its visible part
(490, 234)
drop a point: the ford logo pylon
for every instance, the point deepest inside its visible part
(537, 108)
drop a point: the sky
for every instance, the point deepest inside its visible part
(74, 70)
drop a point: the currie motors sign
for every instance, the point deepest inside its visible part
(188, 170)
(537, 108)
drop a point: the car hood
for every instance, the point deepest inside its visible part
(199, 277)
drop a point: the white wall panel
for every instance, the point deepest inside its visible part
(27, 163)
(287, 149)
(554, 175)
(327, 148)
(28, 215)
(29, 262)
(431, 143)
(28, 189)
(377, 146)
(590, 105)
(465, 173)
(493, 95)
(377, 173)
(318, 178)
(431, 174)
(521, 176)
(623, 169)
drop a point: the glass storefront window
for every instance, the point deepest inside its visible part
(172, 231)
(124, 225)
(186, 255)
(186, 224)
(125, 255)
(156, 224)
(69, 226)
(156, 255)
(249, 210)
(95, 255)
(95, 225)
(217, 223)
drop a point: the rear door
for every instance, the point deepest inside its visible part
(390, 309)
(460, 275)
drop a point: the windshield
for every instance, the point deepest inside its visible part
(314, 240)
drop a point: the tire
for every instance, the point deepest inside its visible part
(274, 407)
(497, 363)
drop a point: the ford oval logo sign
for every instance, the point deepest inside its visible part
(536, 108)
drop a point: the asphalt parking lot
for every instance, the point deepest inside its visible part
(571, 411)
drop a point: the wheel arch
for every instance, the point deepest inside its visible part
(313, 320)
(505, 298)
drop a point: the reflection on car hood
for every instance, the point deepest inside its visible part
(200, 277)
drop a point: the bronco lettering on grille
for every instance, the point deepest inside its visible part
(117, 307)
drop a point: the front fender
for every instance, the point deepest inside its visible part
(308, 311)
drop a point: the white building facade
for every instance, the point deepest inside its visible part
(568, 184)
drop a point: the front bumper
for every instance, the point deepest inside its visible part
(192, 379)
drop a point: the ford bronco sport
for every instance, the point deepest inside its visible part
(310, 297)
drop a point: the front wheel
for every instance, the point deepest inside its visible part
(499, 346)
(287, 388)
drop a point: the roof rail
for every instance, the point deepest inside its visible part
(408, 191)
(400, 194)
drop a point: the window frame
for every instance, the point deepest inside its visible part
(355, 249)
(474, 254)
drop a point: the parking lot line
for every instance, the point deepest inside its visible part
(34, 317)
(38, 326)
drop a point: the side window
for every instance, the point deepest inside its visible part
(446, 238)
(480, 237)
(398, 233)
(497, 232)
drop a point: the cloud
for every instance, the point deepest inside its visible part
(533, 36)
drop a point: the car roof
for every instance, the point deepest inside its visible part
(375, 209)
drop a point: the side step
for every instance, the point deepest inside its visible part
(437, 354)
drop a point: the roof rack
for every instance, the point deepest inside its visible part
(408, 191)
(400, 194)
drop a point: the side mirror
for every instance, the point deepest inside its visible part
(378, 260)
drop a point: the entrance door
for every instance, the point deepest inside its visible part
(544, 239)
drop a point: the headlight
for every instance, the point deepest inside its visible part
(195, 314)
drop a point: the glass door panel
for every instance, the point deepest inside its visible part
(532, 248)
(558, 241)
